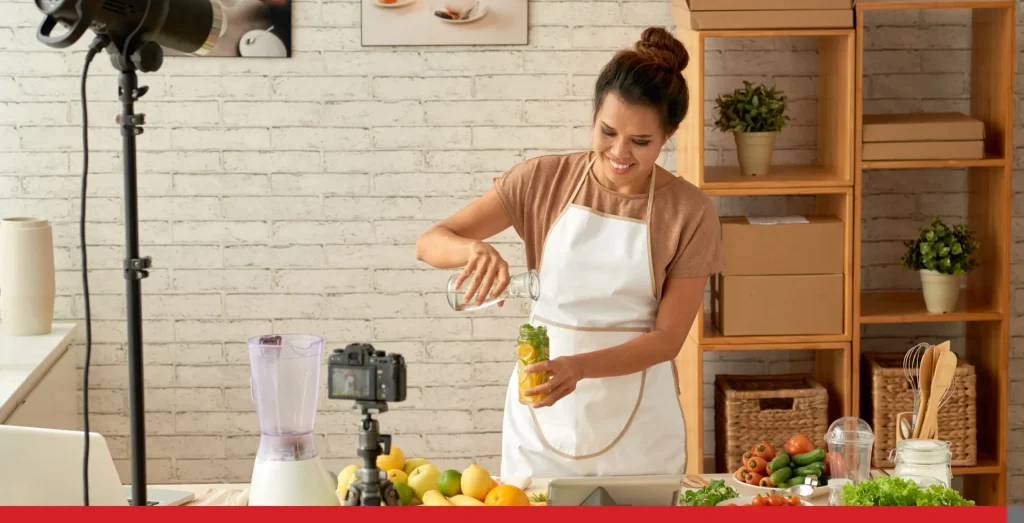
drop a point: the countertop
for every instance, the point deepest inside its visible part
(228, 494)
(24, 360)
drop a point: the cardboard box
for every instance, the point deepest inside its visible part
(762, 5)
(767, 247)
(965, 150)
(792, 19)
(922, 127)
(780, 305)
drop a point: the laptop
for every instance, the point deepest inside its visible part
(635, 491)
(43, 467)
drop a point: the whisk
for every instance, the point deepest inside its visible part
(911, 369)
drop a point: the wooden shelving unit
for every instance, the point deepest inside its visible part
(984, 306)
(829, 181)
(835, 182)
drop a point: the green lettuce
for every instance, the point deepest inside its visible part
(716, 492)
(891, 491)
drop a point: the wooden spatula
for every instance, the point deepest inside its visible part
(944, 370)
(924, 383)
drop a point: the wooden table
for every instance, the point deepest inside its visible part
(228, 494)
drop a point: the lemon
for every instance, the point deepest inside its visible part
(395, 460)
(397, 475)
(507, 496)
(527, 352)
(476, 482)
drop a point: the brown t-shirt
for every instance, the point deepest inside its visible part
(685, 231)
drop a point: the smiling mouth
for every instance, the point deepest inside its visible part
(620, 166)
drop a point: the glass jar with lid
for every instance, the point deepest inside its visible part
(923, 459)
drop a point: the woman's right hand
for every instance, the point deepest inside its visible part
(487, 272)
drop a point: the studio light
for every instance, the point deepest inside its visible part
(133, 32)
(188, 26)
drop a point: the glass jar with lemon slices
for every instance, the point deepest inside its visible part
(533, 348)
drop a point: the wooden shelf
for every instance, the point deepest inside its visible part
(727, 180)
(985, 302)
(879, 5)
(932, 164)
(711, 336)
(908, 307)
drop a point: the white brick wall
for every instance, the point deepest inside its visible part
(285, 195)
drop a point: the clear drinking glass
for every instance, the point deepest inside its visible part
(525, 285)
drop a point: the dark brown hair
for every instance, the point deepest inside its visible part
(649, 74)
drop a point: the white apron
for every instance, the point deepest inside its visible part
(597, 291)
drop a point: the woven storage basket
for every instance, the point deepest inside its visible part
(751, 409)
(891, 394)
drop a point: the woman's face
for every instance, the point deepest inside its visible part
(627, 140)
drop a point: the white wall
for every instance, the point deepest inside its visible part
(286, 195)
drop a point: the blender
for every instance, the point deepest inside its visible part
(849, 440)
(285, 384)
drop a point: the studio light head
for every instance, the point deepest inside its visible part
(136, 26)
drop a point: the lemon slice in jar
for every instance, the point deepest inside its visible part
(527, 353)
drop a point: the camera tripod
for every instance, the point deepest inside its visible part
(371, 489)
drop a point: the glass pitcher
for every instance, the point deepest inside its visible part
(525, 285)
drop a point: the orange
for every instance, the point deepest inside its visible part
(507, 496)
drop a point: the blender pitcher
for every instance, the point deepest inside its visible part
(849, 441)
(285, 387)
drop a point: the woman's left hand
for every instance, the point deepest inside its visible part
(565, 373)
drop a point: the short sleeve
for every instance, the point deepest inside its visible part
(701, 254)
(512, 188)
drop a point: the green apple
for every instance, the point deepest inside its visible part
(411, 464)
(424, 479)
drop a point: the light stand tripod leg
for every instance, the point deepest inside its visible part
(134, 271)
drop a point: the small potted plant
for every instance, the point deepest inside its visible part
(942, 255)
(754, 114)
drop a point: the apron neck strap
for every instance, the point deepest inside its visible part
(650, 193)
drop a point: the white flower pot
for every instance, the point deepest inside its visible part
(941, 291)
(755, 152)
(27, 281)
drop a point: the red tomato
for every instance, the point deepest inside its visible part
(799, 444)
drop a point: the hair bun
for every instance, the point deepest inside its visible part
(659, 46)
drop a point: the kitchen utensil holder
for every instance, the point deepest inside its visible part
(890, 396)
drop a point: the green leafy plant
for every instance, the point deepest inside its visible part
(943, 249)
(752, 109)
(892, 491)
(716, 492)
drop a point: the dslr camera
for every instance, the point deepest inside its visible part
(366, 375)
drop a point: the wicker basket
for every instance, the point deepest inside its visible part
(891, 394)
(751, 409)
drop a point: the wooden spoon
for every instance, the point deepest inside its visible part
(944, 370)
(924, 383)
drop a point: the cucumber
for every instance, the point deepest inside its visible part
(795, 480)
(814, 469)
(781, 476)
(807, 458)
(781, 461)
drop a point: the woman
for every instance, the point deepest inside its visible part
(624, 249)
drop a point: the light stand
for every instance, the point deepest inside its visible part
(371, 489)
(147, 57)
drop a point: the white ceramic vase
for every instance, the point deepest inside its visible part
(941, 291)
(27, 281)
(755, 152)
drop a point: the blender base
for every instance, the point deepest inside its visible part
(292, 483)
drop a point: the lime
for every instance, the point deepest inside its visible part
(405, 493)
(450, 483)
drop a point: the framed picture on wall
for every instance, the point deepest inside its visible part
(254, 29)
(444, 22)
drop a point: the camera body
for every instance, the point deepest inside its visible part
(363, 374)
